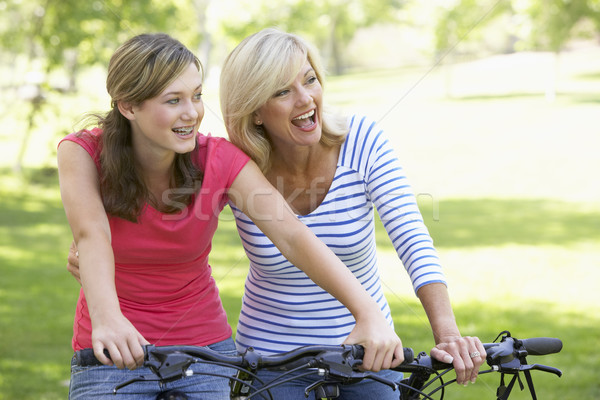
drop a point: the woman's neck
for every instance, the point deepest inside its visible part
(304, 177)
(296, 160)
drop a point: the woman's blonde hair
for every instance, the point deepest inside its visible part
(140, 69)
(257, 68)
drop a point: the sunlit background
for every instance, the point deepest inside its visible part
(492, 107)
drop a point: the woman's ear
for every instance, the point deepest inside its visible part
(256, 118)
(126, 109)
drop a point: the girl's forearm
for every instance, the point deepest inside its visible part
(265, 206)
(324, 268)
(98, 276)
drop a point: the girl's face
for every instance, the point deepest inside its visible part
(168, 123)
(292, 116)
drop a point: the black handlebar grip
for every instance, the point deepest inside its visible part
(86, 357)
(409, 355)
(359, 352)
(542, 345)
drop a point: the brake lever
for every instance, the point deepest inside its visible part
(169, 367)
(342, 366)
(543, 368)
(165, 367)
(338, 364)
(515, 366)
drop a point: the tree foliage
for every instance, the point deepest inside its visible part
(330, 24)
(63, 33)
(464, 21)
(539, 24)
(553, 21)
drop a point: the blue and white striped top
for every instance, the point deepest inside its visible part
(282, 308)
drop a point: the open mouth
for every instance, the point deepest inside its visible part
(304, 120)
(184, 131)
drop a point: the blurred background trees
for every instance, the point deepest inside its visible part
(46, 44)
(503, 162)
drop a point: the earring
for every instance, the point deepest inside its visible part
(258, 122)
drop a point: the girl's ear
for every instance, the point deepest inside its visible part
(126, 109)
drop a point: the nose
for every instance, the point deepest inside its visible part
(304, 96)
(193, 110)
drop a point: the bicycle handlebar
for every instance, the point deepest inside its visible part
(542, 346)
(341, 363)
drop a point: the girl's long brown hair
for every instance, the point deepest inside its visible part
(139, 70)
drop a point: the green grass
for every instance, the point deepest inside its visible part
(487, 319)
(37, 295)
(507, 186)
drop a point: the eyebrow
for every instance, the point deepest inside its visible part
(311, 69)
(199, 87)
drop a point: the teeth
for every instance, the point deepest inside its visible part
(307, 115)
(183, 131)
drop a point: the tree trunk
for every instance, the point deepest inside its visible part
(206, 45)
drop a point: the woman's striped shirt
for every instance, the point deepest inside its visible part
(282, 308)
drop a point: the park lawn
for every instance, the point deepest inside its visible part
(37, 296)
(504, 181)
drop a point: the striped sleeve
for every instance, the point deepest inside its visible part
(389, 190)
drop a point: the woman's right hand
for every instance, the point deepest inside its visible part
(120, 338)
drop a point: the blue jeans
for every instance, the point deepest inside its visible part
(98, 382)
(364, 390)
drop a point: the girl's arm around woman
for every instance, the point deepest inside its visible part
(254, 195)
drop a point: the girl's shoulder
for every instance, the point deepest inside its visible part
(218, 152)
(91, 136)
(211, 144)
(89, 139)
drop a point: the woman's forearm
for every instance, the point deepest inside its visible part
(436, 302)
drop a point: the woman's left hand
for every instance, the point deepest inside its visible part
(465, 353)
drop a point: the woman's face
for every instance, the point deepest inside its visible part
(169, 122)
(292, 116)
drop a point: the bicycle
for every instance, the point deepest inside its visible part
(338, 365)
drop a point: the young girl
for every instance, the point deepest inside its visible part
(142, 193)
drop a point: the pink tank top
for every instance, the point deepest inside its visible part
(162, 274)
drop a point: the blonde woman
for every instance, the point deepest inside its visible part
(333, 171)
(142, 193)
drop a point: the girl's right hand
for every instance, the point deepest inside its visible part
(383, 347)
(73, 262)
(120, 338)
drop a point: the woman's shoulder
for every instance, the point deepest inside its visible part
(363, 125)
(364, 141)
(363, 131)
